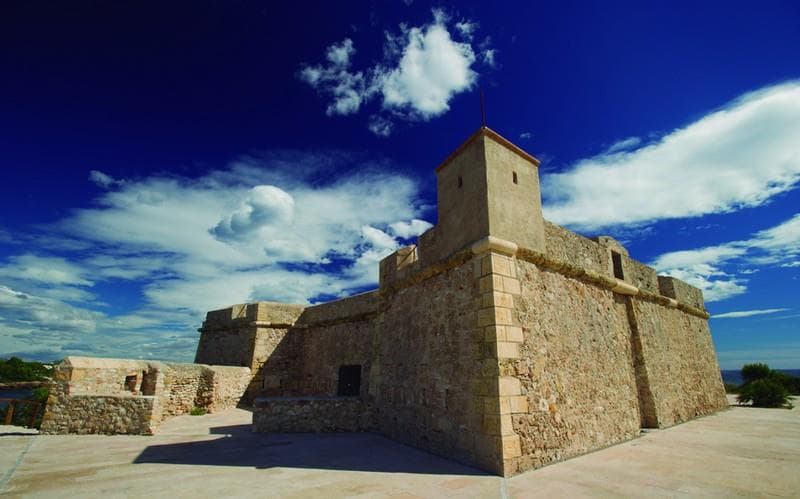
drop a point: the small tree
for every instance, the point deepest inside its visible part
(764, 393)
(764, 387)
(753, 372)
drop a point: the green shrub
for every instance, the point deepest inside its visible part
(197, 411)
(16, 369)
(790, 383)
(764, 393)
(753, 372)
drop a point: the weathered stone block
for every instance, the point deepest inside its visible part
(511, 285)
(508, 385)
(514, 333)
(498, 264)
(489, 283)
(507, 350)
(494, 315)
(497, 424)
(511, 446)
(497, 299)
(518, 405)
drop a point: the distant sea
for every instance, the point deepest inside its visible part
(13, 394)
(734, 376)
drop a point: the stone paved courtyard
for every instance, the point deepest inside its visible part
(741, 452)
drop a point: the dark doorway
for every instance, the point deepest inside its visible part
(349, 381)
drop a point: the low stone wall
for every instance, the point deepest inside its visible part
(227, 385)
(312, 415)
(99, 414)
(121, 396)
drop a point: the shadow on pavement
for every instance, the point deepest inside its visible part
(332, 451)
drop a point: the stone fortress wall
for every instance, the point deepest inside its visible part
(121, 396)
(500, 340)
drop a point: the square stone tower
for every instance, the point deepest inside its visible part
(489, 187)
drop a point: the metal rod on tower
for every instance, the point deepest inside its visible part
(483, 110)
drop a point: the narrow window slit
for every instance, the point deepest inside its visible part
(616, 260)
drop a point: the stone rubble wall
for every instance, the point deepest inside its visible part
(255, 335)
(345, 309)
(681, 364)
(98, 414)
(326, 348)
(89, 395)
(575, 366)
(428, 366)
(226, 347)
(563, 245)
(312, 414)
(185, 386)
(278, 363)
(228, 384)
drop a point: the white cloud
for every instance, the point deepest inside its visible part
(378, 239)
(339, 55)
(47, 270)
(525, 135)
(102, 179)
(25, 310)
(738, 156)
(406, 230)
(624, 145)
(380, 126)
(432, 70)
(488, 57)
(466, 28)
(265, 207)
(271, 228)
(703, 267)
(748, 313)
(424, 69)
(348, 89)
(791, 264)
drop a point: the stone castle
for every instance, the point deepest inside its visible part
(499, 339)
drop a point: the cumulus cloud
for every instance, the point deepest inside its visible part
(425, 68)
(432, 69)
(705, 267)
(264, 207)
(347, 89)
(738, 156)
(406, 230)
(748, 313)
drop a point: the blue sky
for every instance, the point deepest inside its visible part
(163, 159)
